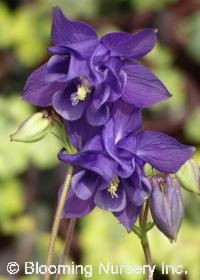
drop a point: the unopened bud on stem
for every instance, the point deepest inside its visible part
(166, 205)
(33, 128)
(189, 176)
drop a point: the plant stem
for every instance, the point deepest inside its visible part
(144, 240)
(147, 253)
(57, 219)
(68, 241)
(145, 214)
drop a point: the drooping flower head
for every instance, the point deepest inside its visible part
(86, 74)
(110, 164)
(98, 88)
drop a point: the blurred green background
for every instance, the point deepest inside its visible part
(30, 174)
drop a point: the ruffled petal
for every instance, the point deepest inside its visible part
(131, 46)
(143, 89)
(93, 145)
(84, 184)
(113, 64)
(97, 117)
(127, 119)
(80, 131)
(77, 68)
(84, 49)
(37, 91)
(134, 188)
(125, 165)
(104, 200)
(62, 104)
(115, 95)
(65, 31)
(92, 158)
(57, 68)
(58, 50)
(162, 151)
(128, 144)
(128, 216)
(76, 207)
(101, 95)
(62, 69)
(95, 62)
(92, 161)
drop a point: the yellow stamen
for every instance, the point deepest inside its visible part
(82, 92)
(113, 187)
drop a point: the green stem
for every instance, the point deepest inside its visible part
(141, 232)
(145, 214)
(144, 240)
(147, 254)
(68, 241)
(57, 219)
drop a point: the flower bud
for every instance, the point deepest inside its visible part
(166, 205)
(33, 128)
(189, 176)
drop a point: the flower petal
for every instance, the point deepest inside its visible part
(97, 117)
(113, 64)
(92, 158)
(57, 68)
(62, 69)
(80, 131)
(127, 119)
(128, 216)
(76, 207)
(65, 31)
(58, 50)
(83, 49)
(131, 46)
(134, 188)
(104, 200)
(128, 143)
(37, 91)
(143, 89)
(84, 184)
(162, 151)
(114, 95)
(77, 68)
(101, 95)
(125, 164)
(97, 76)
(62, 104)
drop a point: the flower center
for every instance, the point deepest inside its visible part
(82, 91)
(113, 187)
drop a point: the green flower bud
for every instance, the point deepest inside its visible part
(33, 128)
(189, 176)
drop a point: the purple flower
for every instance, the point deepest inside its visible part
(167, 205)
(86, 74)
(110, 165)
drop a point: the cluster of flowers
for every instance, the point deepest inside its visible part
(99, 89)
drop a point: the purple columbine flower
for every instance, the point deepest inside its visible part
(86, 74)
(110, 165)
(167, 205)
